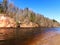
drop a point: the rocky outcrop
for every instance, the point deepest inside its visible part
(7, 22)
(30, 24)
(56, 24)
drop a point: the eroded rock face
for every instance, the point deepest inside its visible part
(7, 22)
(29, 25)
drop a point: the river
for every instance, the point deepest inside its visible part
(29, 36)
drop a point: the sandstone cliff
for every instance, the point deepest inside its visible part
(26, 18)
(6, 21)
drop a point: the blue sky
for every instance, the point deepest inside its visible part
(48, 8)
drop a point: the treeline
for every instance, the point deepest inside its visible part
(26, 15)
(3, 6)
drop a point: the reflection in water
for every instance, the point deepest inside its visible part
(29, 36)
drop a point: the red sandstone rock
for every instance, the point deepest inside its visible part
(7, 22)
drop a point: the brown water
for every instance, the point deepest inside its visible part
(29, 36)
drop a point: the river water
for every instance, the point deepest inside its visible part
(29, 36)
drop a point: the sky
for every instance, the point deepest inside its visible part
(48, 8)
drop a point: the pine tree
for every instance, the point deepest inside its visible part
(5, 5)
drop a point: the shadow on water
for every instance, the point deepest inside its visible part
(20, 36)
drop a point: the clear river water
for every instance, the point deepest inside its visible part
(29, 36)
